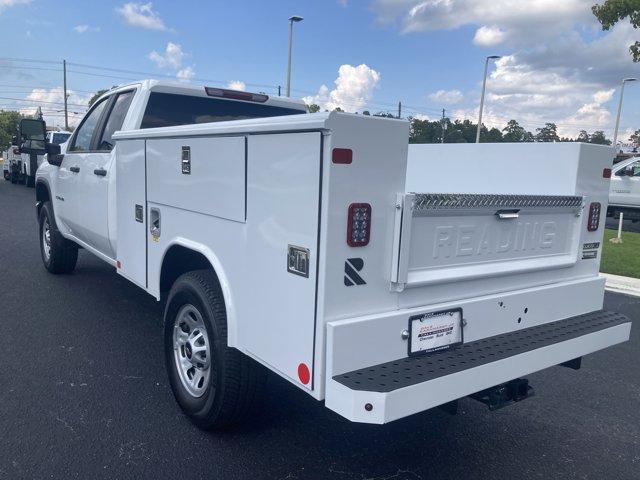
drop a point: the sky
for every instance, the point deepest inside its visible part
(557, 64)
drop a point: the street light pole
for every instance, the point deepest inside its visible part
(484, 87)
(292, 20)
(615, 132)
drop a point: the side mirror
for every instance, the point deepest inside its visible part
(32, 135)
(53, 154)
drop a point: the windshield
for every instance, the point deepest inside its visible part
(58, 138)
(169, 109)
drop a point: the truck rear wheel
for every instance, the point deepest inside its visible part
(215, 385)
(59, 255)
(7, 175)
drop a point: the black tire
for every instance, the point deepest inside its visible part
(14, 177)
(63, 253)
(30, 182)
(235, 382)
(7, 175)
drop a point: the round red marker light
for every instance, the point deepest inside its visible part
(303, 373)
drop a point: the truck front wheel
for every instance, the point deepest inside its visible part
(215, 385)
(59, 255)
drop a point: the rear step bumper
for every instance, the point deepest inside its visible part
(392, 390)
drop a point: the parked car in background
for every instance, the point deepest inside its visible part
(6, 168)
(14, 159)
(624, 193)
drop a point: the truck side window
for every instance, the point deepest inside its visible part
(116, 119)
(170, 109)
(82, 140)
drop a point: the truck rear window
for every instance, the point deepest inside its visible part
(169, 109)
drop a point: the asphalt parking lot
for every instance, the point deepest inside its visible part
(84, 395)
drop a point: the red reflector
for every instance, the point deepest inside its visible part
(606, 173)
(303, 373)
(118, 264)
(359, 224)
(342, 156)
(594, 217)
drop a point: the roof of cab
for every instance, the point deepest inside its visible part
(199, 91)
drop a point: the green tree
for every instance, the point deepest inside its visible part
(9, 121)
(513, 132)
(96, 95)
(635, 138)
(599, 138)
(366, 112)
(425, 131)
(493, 136)
(548, 133)
(313, 108)
(583, 137)
(612, 11)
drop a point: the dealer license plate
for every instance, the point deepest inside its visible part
(433, 331)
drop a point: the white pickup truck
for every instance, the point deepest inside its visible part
(624, 196)
(382, 278)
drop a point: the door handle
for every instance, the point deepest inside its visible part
(100, 172)
(507, 214)
(74, 169)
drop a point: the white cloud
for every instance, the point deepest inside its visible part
(141, 15)
(237, 85)
(85, 28)
(488, 36)
(172, 56)
(4, 4)
(51, 101)
(447, 96)
(354, 89)
(513, 18)
(185, 74)
(556, 66)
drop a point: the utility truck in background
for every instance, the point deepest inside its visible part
(380, 277)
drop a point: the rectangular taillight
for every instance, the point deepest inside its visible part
(594, 216)
(359, 224)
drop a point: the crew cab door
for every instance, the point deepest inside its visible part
(69, 205)
(91, 190)
(625, 185)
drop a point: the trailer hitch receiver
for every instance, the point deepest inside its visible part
(505, 394)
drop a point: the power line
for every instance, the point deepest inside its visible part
(41, 101)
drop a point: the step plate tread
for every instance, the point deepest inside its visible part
(390, 376)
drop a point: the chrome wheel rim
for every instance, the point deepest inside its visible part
(191, 350)
(46, 239)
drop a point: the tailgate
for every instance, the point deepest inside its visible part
(441, 238)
